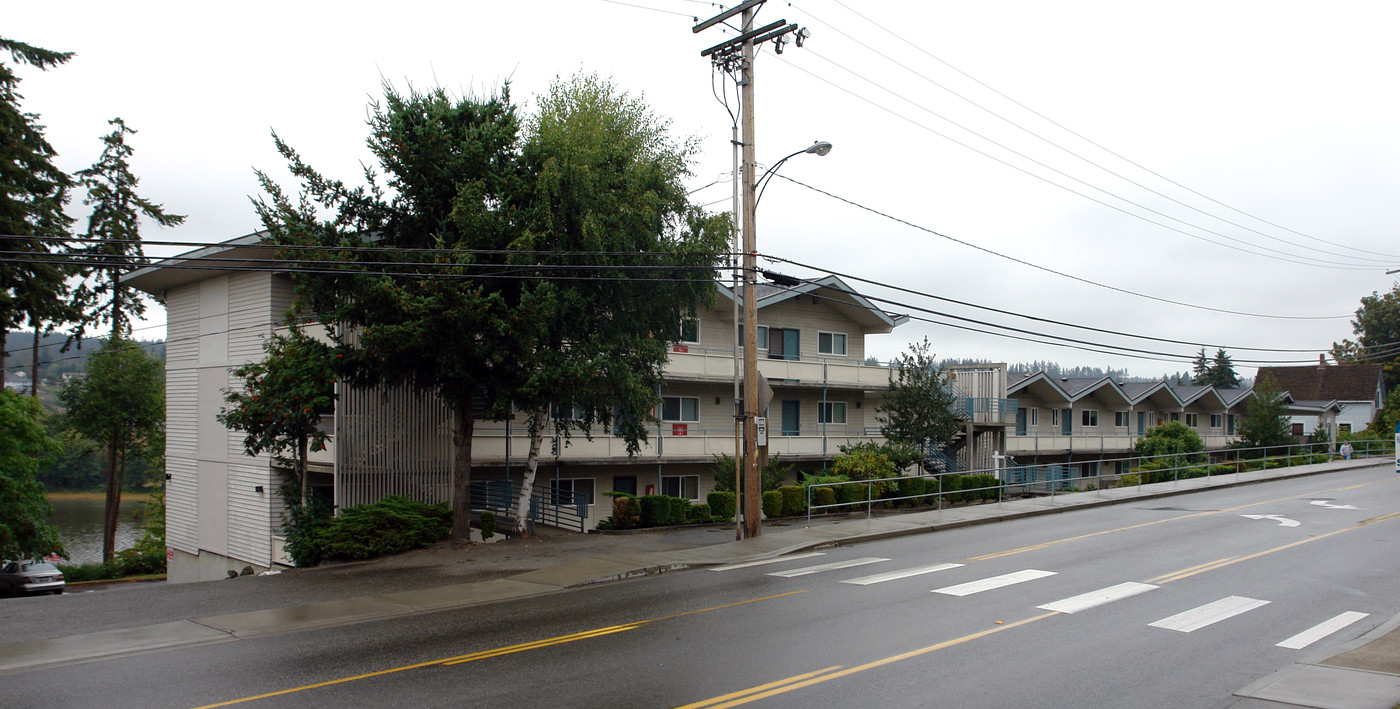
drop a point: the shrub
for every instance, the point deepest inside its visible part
(91, 571)
(678, 511)
(823, 496)
(772, 503)
(794, 499)
(303, 527)
(391, 526)
(656, 510)
(771, 476)
(911, 487)
(1130, 480)
(722, 504)
(949, 486)
(488, 524)
(626, 513)
(980, 487)
(865, 462)
(851, 494)
(698, 514)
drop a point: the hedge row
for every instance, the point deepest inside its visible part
(630, 512)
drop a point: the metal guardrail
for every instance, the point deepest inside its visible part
(1025, 480)
(557, 508)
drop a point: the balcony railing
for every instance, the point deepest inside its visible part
(491, 444)
(693, 361)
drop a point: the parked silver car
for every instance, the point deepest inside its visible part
(25, 577)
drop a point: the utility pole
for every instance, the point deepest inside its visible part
(724, 56)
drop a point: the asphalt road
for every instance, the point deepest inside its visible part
(1173, 602)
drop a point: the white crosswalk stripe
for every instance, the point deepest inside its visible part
(1210, 613)
(1085, 601)
(828, 567)
(900, 574)
(761, 562)
(1321, 630)
(994, 582)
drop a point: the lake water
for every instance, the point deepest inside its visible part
(79, 525)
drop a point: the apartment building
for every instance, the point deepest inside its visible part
(223, 512)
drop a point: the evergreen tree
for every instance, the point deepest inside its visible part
(1200, 368)
(33, 192)
(1222, 371)
(113, 238)
(1265, 423)
(918, 409)
(121, 405)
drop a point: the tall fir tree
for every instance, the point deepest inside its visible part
(33, 193)
(113, 239)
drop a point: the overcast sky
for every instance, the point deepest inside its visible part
(1237, 156)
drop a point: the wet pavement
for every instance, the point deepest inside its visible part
(94, 623)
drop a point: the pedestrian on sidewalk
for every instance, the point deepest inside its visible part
(1346, 450)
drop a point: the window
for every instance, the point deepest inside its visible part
(1176, 415)
(1297, 429)
(578, 486)
(832, 412)
(1054, 417)
(690, 331)
(1217, 420)
(1343, 428)
(1193, 420)
(762, 336)
(784, 343)
(832, 343)
(1089, 418)
(686, 487)
(1120, 419)
(1035, 417)
(680, 408)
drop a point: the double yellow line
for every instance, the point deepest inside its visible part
(496, 652)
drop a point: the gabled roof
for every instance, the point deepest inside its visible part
(836, 292)
(1343, 382)
(1071, 389)
(1190, 393)
(1232, 397)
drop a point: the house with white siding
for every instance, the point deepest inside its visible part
(223, 512)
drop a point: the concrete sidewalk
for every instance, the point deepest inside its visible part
(1359, 677)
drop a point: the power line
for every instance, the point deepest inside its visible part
(1070, 152)
(1052, 271)
(1074, 133)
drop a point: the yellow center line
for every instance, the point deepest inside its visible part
(1045, 545)
(754, 690)
(497, 652)
(759, 692)
(1222, 563)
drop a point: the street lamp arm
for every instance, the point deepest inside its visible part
(819, 148)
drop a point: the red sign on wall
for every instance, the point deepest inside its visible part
(679, 348)
(680, 429)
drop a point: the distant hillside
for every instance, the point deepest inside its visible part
(1055, 370)
(53, 362)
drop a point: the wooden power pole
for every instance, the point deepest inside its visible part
(737, 55)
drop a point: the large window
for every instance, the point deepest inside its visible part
(1193, 420)
(578, 486)
(690, 331)
(832, 412)
(784, 343)
(681, 409)
(831, 343)
(1089, 418)
(1217, 420)
(683, 486)
(1120, 419)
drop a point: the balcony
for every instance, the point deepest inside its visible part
(673, 443)
(1092, 443)
(693, 363)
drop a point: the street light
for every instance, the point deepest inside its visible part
(748, 478)
(819, 148)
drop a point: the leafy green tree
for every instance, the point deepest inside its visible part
(918, 409)
(283, 399)
(121, 405)
(1170, 438)
(33, 192)
(772, 475)
(1377, 329)
(1265, 422)
(113, 238)
(428, 307)
(24, 512)
(604, 196)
